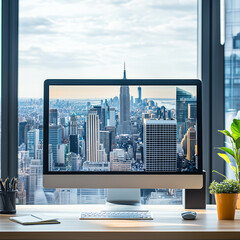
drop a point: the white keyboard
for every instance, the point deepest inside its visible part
(116, 215)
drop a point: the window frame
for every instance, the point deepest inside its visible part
(210, 71)
(9, 144)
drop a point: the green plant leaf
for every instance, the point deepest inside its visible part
(226, 186)
(235, 127)
(225, 132)
(237, 143)
(233, 168)
(227, 150)
(219, 173)
(224, 157)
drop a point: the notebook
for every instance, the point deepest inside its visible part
(34, 219)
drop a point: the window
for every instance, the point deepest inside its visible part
(92, 39)
(232, 62)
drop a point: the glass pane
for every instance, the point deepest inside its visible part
(92, 39)
(232, 63)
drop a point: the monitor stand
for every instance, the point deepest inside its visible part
(124, 200)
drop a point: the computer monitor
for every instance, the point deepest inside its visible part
(122, 133)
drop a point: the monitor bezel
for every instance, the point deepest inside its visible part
(119, 82)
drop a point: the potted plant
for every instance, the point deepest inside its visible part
(226, 194)
(233, 149)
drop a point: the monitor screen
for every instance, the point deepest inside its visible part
(123, 129)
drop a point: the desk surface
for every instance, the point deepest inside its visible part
(167, 224)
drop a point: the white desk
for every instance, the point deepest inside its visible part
(167, 224)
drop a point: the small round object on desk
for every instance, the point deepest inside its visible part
(189, 215)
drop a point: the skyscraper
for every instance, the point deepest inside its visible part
(53, 116)
(75, 161)
(40, 133)
(192, 110)
(182, 98)
(55, 136)
(124, 125)
(112, 118)
(21, 132)
(92, 136)
(32, 142)
(101, 114)
(191, 142)
(35, 181)
(139, 94)
(105, 139)
(61, 154)
(74, 143)
(74, 124)
(160, 148)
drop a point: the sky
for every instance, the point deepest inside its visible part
(90, 39)
(107, 92)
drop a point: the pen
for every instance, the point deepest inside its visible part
(12, 183)
(1, 185)
(15, 184)
(7, 184)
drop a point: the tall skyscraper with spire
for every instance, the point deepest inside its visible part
(124, 126)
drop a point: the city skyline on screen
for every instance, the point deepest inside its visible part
(122, 128)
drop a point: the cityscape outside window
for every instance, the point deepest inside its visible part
(232, 63)
(92, 39)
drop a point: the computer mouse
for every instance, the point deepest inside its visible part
(189, 215)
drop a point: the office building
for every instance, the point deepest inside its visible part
(139, 94)
(160, 148)
(55, 136)
(50, 157)
(92, 136)
(75, 161)
(96, 166)
(101, 114)
(73, 124)
(74, 143)
(112, 118)
(53, 116)
(191, 143)
(21, 132)
(40, 133)
(131, 101)
(112, 132)
(182, 98)
(22, 195)
(124, 124)
(32, 142)
(35, 179)
(105, 139)
(28, 127)
(119, 161)
(184, 144)
(61, 154)
(102, 155)
(192, 110)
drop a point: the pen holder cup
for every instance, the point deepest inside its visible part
(8, 202)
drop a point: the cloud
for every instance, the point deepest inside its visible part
(38, 57)
(35, 25)
(156, 38)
